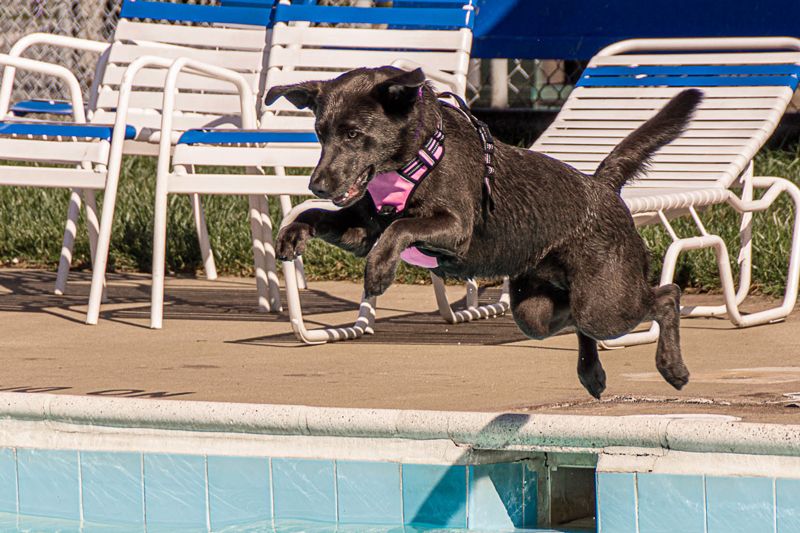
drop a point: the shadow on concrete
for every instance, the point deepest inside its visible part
(32, 291)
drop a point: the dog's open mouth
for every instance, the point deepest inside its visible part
(357, 190)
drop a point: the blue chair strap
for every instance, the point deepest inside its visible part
(241, 13)
(691, 76)
(432, 3)
(54, 129)
(247, 3)
(51, 107)
(204, 136)
(427, 17)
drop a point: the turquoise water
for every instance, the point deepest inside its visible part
(20, 523)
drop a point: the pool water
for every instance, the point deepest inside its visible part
(14, 523)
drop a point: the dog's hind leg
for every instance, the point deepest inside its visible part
(610, 297)
(666, 312)
(542, 310)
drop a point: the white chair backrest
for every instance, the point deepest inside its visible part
(438, 39)
(202, 102)
(746, 94)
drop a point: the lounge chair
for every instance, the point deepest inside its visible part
(126, 93)
(747, 82)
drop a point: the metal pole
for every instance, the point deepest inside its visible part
(499, 81)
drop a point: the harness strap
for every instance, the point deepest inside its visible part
(488, 147)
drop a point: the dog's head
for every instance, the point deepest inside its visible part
(368, 121)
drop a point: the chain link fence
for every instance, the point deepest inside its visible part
(87, 19)
(521, 83)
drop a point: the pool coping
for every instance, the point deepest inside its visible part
(476, 430)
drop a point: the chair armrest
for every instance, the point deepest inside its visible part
(53, 39)
(63, 41)
(313, 203)
(48, 69)
(175, 67)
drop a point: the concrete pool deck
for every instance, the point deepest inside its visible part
(215, 347)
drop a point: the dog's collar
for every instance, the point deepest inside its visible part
(390, 191)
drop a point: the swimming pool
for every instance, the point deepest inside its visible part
(17, 523)
(75, 463)
(65, 489)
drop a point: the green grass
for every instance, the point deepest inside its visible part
(31, 228)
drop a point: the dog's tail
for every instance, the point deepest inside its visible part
(631, 156)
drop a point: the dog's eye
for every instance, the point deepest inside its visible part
(352, 134)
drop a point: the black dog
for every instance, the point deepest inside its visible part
(566, 239)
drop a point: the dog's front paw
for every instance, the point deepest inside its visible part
(292, 241)
(378, 276)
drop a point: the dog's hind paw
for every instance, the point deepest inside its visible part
(676, 375)
(593, 379)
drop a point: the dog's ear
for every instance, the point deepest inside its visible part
(301, 95)
(398, 94)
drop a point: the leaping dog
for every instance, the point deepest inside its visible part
(422, 181)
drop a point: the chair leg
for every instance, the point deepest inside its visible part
(363, 325)
(92, 227)
(67, 243)
(100, 259)
(202, 236)
(159, 253)
(273, 284)
(472, 311)
(259, 254)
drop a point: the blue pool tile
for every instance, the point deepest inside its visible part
(787, 492)
(435, 495)
(238, 490)
(8, 481)
(175, 492)
(48, 483)
(669, 503)
(739, 504)
(496, 496)
(304, 488)
(369, 493)
(616, 502)
(112, 488)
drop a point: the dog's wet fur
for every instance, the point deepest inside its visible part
(566, 239)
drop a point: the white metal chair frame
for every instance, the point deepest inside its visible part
(107, 155)
(87, 195)
(679, 198)
(103, 104)
(79, 116)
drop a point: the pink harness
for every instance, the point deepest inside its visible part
(391, 191)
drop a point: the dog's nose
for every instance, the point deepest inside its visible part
(318, 189)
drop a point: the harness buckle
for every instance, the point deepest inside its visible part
(388, 211)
